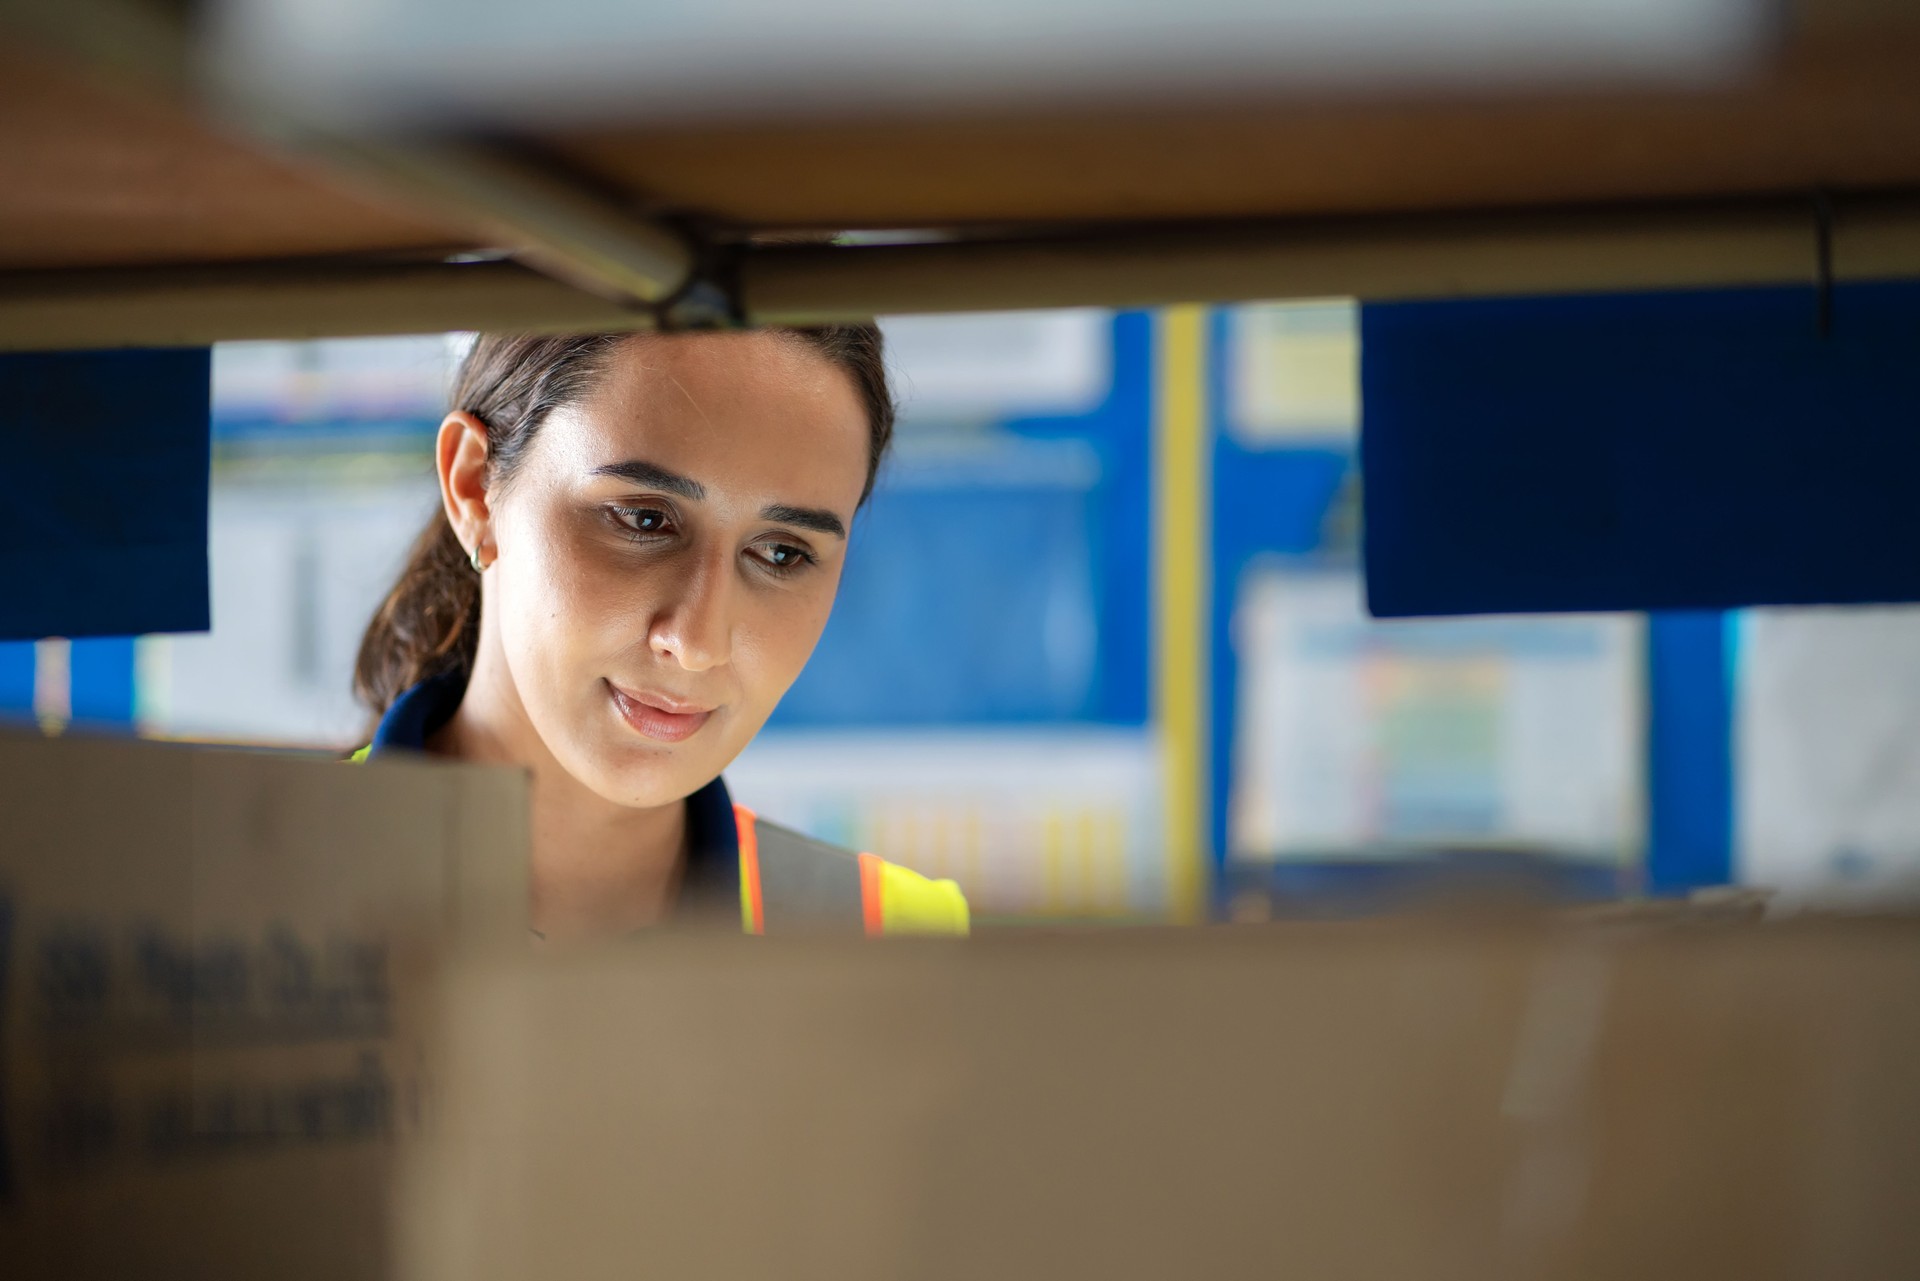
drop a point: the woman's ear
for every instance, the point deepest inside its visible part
(460, 452)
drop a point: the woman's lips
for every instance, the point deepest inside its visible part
(663, 719)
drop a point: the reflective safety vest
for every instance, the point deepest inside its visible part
(788, 880)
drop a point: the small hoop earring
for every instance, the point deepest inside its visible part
(478, 568)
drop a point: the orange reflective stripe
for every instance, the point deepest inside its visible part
(753, 912)
(872, 877)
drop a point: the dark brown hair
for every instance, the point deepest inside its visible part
(429, 623)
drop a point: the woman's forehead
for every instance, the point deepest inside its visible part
(751, 411)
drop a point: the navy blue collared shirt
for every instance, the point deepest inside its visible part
(713, 837)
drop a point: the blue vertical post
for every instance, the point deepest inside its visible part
(1689, 751)
(16, 680)
(102, 672)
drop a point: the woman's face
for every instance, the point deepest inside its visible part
(668, 552)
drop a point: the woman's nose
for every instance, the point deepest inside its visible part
(693, 627)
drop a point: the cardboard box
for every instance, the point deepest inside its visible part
(1542, 1099)
(217, 1059)
(202, 1067)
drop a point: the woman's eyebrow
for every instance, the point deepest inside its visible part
(813, 518)
(645, 473)
(640, 472)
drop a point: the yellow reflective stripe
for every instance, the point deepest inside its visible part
(912, 904)
(361, 755)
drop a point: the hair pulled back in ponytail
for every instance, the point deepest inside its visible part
(429, 623)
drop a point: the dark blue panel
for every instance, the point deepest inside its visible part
(102, 680)
(103, 493)
(1689, 752)
(1669, 451)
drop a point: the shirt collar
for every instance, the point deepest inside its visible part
(418, 714)
(713, 837)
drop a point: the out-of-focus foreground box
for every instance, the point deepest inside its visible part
(203, 1065)
(1541, 1099)
(220, 1060)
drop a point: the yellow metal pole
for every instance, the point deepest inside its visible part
(1182, 480)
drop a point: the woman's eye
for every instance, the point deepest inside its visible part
(642, 520)
(784, 556)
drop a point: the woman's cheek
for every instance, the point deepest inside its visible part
(560, 596)
(790, 632)
(588, 576)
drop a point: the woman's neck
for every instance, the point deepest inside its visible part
(597, 868)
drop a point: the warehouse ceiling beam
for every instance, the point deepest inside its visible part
(1375, 259)
(1763, 243)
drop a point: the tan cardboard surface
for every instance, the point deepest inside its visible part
(199, 961)
(1540, 1101)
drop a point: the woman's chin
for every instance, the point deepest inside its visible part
(661, 779)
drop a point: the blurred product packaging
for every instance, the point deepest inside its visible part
(201, 1073)
(1666, 1095)
(221, 1060)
